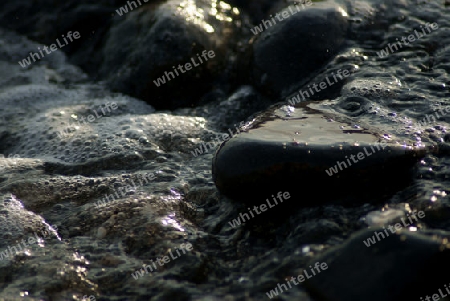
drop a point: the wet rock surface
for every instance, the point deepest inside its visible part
(132, 183)
(294, 149)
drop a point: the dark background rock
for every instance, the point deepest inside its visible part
(56, 18)
(286, 55)
(147, 42)
(401, 266)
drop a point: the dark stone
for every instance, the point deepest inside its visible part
(92, 21)
(294, 154)
(403, 266)
(287, 54)
(149, 41)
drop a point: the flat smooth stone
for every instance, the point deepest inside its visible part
(294, 154)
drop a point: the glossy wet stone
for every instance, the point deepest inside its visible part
(288, 53)
(402, 266)
(296, 153)
(148, 42)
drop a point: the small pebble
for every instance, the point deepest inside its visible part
(101, 232)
